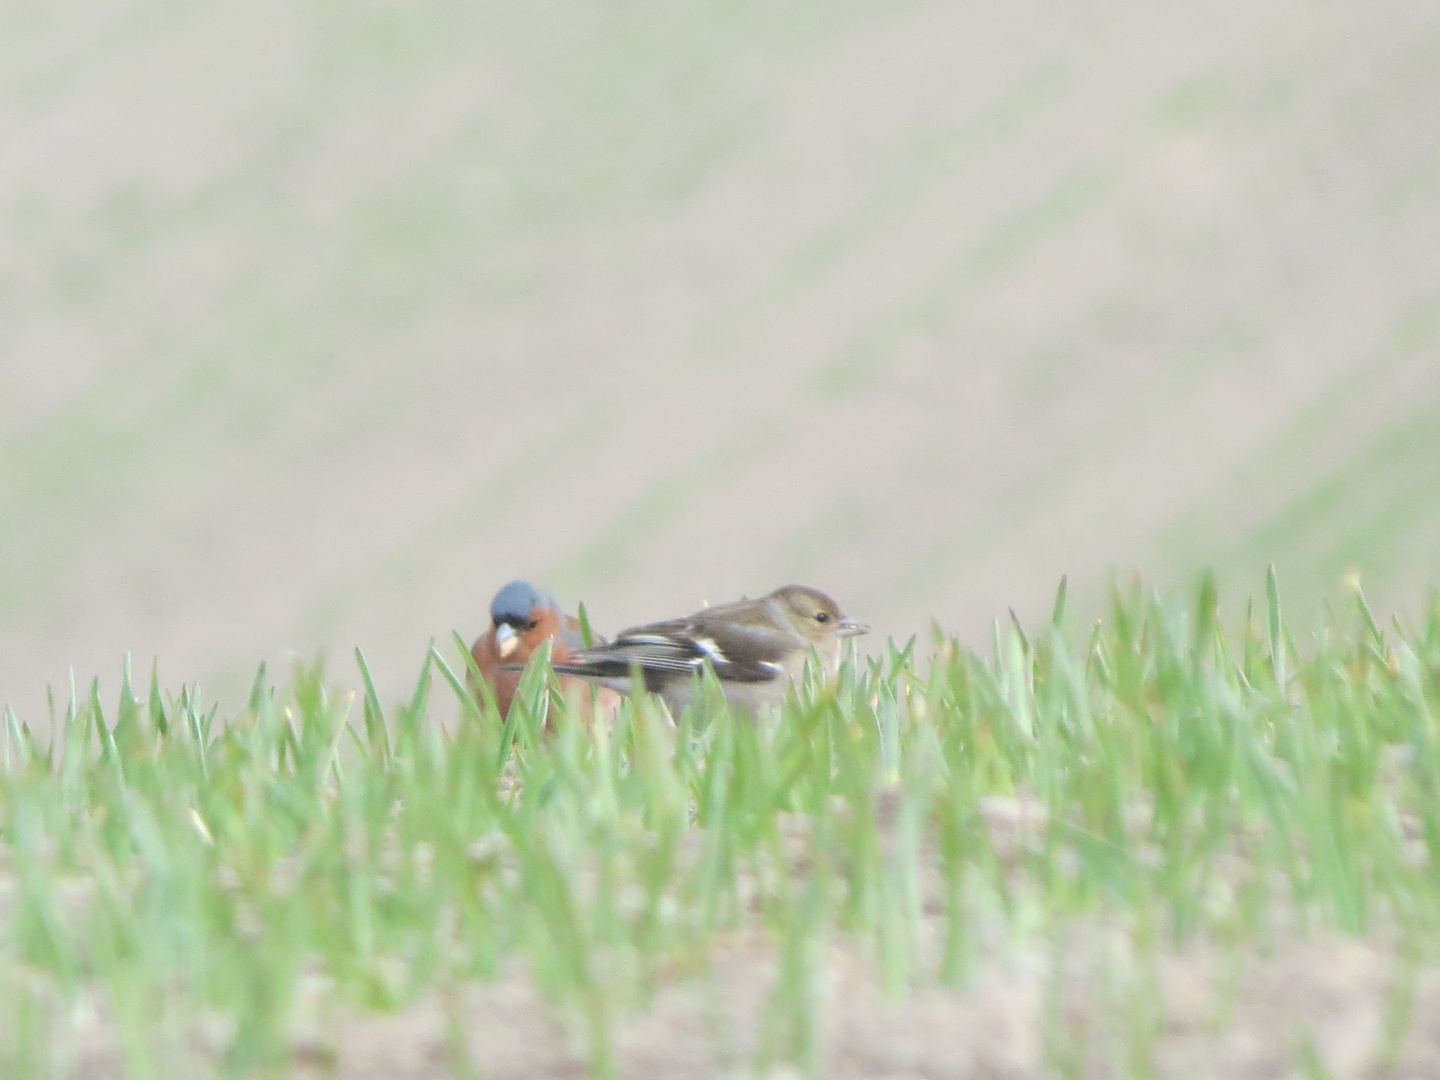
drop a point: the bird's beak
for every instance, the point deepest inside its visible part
(851, 628)
(506, 640)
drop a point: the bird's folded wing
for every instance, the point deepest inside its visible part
(738, 653)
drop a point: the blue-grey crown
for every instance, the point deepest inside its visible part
(517, 601)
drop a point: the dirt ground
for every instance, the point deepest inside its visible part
(1203, 1012)
(1077, 999)
(1213, 1017)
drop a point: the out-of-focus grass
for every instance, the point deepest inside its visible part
(191, 872)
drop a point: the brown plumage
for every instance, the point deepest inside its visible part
(522, 618)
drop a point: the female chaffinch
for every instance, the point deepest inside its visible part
(522, 618)
(756, 647)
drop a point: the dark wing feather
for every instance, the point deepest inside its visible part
(659, 660)
(675, 649)
(740, 652)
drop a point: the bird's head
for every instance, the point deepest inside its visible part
(521, 611)
(814, 615)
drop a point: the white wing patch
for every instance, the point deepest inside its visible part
(710, 649)
(647, 639)
(655, 652)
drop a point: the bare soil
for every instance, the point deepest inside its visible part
(1085, 1004)
(1082, 997)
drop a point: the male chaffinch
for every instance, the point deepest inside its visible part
(522, 618)
(756, 647)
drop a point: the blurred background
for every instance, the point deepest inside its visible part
(319, 322)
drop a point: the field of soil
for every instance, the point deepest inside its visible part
(318, 323)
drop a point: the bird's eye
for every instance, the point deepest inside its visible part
(822, 616)
(532, 624)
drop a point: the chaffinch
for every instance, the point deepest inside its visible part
(756, 647)
(522, 618)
